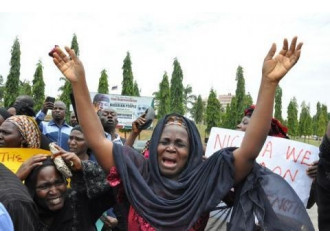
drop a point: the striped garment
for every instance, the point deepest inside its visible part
(58, 134)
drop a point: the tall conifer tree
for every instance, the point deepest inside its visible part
(305, 121)
(177, 89)
(38, 87)
(12, 83)
(2, 89)
(136, 90)
(163, 97)
(103, 83)
(198, 110)
(240, 95)
(278, 104)
(213, 111)
(127, 83)
(293, 117)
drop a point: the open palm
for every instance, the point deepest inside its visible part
(276, 68)
(72, 68)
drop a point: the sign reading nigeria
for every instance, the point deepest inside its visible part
(128, 108)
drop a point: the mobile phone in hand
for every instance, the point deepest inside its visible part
(50, 99)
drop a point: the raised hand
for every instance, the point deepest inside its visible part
(72, 68)
(274, 69)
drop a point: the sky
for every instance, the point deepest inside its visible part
(210, 40)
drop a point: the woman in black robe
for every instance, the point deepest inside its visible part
(174, 188)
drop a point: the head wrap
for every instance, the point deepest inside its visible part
(277, 129)
(28, 128)
(31, 180)
(31, 183)
(248, 111)
(169, 204)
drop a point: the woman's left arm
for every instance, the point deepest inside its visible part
(274, 69)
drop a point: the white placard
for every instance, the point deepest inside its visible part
(285, 157)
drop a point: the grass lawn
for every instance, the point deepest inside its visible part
(309, 141)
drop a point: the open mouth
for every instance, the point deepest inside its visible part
(169, 163)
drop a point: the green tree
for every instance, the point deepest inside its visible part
(25, 88)
(75, 45)
(38, 87)
(127, 83)
(163, 97)
(226, 119)
(12, 83)
(248, 101)
(66, 89)
(188, 98)
(231, 114)
(136, 90)
(305, 121)
(293, 117)
(239, 95)
(316, 118)
(197, 110)
(103, 83)
(2, 89)
(213, 111)
(177, 89)
(322, 121)
(278, 104)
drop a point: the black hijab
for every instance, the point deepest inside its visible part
(174, 204)
(62, 218)
(177, 204)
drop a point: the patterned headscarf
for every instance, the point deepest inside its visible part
(28, 128)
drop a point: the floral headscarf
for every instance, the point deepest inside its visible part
(28, 128)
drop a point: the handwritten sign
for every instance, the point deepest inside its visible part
(287, 158)
(13, 158)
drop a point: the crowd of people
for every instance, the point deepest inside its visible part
(170, 186)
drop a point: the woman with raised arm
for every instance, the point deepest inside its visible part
(174, 189)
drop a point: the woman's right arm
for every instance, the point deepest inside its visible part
(73, 69)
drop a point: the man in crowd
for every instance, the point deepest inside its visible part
(57, 130)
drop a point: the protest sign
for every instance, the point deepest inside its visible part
(13, 158)
(128, 108)
(285, 157)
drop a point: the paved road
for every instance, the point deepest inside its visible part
(313, 215)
